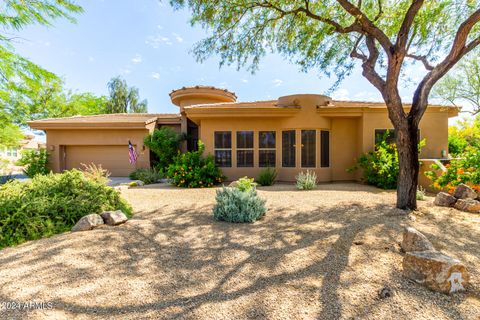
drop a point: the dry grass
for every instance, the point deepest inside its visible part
(321, 254)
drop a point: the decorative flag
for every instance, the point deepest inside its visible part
(132, 154)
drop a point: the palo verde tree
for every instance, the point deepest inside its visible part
(330, 35)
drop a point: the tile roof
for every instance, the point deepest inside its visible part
(112, 118)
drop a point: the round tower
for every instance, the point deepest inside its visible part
(188, 96)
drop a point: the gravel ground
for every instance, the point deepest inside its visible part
(321, 254)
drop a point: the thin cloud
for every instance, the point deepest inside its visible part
(157, 41)
(156, 75)
(277, 82)
(137, 59)
(177, 37)
(341, 94)
(244, 80)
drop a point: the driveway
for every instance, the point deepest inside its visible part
(321, 254)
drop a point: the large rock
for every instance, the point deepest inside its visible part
(88, 222)
(436, 271)
(468, 205)
(444, 199)
(233, 184)
(413, 240)
(462, 191)
(114, 218)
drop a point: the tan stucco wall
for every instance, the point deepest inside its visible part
(351, 134)
(57, 139)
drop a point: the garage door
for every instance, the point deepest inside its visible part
(112, 158)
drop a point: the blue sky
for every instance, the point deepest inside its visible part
(149, 44)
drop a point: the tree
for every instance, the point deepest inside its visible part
(124, 99)
(330, 35)
(462, 84)
(18, 75)
(164, 143)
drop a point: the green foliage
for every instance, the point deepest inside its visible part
(306, 180)
(380, 167)
(235, 205)
(462, 84)
(10, 135)
(245, 184)
(267, 177)
(95, 173)
(463, 135)
(147, 176)
(124, 99)
(35, 162)
(465, 169)
(193, 170)
(421, 193)
(51, 204)
(164, 143)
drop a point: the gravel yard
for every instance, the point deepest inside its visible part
(321, 254)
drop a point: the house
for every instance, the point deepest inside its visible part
(10, 155)
(292, 133)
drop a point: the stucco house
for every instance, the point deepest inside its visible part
(292, 133)
(10, 155)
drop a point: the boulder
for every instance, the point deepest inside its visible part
(413, 240)
(444, 199)
(462, 191)
(468, 205)
(233, 184)
(88, 222)
(436, 271)
(114, 218)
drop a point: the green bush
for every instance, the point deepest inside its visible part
(234, 205)
(193, 170)
(51, 204)
(245, 184)
(306, 180)
(267, 177)
(34, 162)
(147, 176)
(164, 143)
(465, 169)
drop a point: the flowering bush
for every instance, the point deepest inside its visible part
(193, 170)
(464, 170)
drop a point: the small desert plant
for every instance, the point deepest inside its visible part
(267, 177)
(147, 176)
(306, 180)
(421, 193)
(34, 162)
(245, 184)
(96, 173)
(234, 205)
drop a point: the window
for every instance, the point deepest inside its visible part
(244, 148)
(223, 148)
(308, 148)
(14, 152)
(288, 149)
(380, 133)
(267, 151)
(9, 152)
(325, 149)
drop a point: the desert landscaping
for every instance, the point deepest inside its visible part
(325, 253)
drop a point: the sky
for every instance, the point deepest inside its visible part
(149, 44)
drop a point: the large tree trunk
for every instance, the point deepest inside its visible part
(407, 144)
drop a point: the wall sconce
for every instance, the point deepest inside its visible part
(444, 154)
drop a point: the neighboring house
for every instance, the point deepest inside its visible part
(292, 133)
(10, 155)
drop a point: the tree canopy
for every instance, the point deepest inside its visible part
(124, 99)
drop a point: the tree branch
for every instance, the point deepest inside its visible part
(422, 59)
(402, 37)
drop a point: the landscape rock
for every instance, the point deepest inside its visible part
(114, 218)
(233, 184)
(444, 199)
(88, 222)
(436, 271)
(468, 205)
(462, 191)
(385, 292)
(413, 240)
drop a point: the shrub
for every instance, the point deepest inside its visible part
(96, 173)
(164, 143)
(245, 184)
(267, 177)
(51, 204)
(306, 180)
(421, 193)
(234, 205)
(193, 170)
(147, 176)
(463, 170)
(34, 162)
